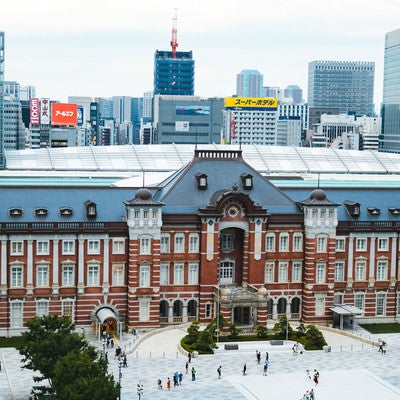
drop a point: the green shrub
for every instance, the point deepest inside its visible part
(261, 331)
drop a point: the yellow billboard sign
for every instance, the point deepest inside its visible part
(251, 102)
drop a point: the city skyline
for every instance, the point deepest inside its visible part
(100, 49)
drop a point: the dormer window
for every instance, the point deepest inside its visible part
(394, 211)
(353, 208)
(65, 211)
(373, 211)
(202, 182)
(247, 181)
(41, 212)
(15, 212)
(91, 209)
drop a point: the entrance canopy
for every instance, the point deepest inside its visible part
(346, 311)
(104, 313)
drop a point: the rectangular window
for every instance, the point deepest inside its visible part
(144, 279)
(42, 308)
(93, 275)
(359, 300)
(227, 242)
(17, 275)
(320, 273)
(380, 304)
(164, 274)
(118, 246)
(340, 244)
(68, 309)
(193, 243)
(179, 243)
(321, 244)
(42, 275)
(17, 248)
(381, 270)
(16, 314)
(361, 268)
(68, 247)
(339, 271)
(297, 242)
(154, 214)
(93, 246)
(320, 306)
(164, 243)
(67, 274)
(269, 272)
(144, 310)
(283, 272)
(383, 244)
(136, 214)
(178, 274)
(270, 242)
(361, 244)
(145, 245)
(42, 247)
(283, 242)
(208, 310)
(296, 271)
(118, 274)
(193, 278)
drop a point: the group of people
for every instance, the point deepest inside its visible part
(178, 376)
(297, 349)
(309, 395)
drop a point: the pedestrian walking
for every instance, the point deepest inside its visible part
(219, 370)
(308, 375)
(169, 384)
(258, 356)
(180, 376)
(190, 357)
(187, 367)
(265, 369)
(316, 377)
(193, 374)
(266, 357)
(159, 383)
(244, 369)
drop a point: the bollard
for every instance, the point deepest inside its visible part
(351, 347)
(340, 347)
(137, 354)
(150, 354)
(163, 354)
(176, 354)
(362, 346)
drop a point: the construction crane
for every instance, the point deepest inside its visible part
(174, 36)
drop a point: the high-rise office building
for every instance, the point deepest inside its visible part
(174, 76)
(295, 93)
(249, 83)
(348, 85)
(390, 137)
(1, 96)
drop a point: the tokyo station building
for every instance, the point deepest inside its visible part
(150, 236)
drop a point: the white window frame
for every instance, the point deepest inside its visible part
(322, 244)
(340, 244)
(68, 308)
(361, 244)
(270, 242)
(320, 272)
(144, 309)
(298, 242)
(179, 274)
(42, 308)
(164, 274)
(118, 274)
(17, 248)
(227, 241)
(359, 300)
(269, 272)
(383, 244)
(360, 270)
(165, 243)
(68, 274)
(283, 271)
(118, 246)
(16, 314)
(93, 274)
(284, 241)
(93, 246)
(380, 304)
(144, 275)
(297, 267)
(193, 243)
(319, 305)
(42, 274)
(179, 243)
(17, 275)
(382, 269)
(145, 245)
(339, 271)
(193, 273)
(42, 247)
(68, 246)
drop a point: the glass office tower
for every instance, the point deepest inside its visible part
(389, 140)
(347, 85)
(249, 83)
(174, 76)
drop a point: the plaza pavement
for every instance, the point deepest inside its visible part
(351, 370)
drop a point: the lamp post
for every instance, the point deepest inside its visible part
(104, 347)
(119, 377)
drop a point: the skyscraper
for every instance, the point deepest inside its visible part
(249, 83)
(389, 140)
(295, 93)
(348, 85)
(173, 76)
(1, 96)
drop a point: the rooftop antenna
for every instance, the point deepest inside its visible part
(174, 35)
(142, 178)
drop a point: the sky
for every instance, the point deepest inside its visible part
(104, 48)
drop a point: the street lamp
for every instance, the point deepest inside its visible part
(104, 347)
(120, 363)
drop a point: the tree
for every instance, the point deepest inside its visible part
(193, 333)
(314, 339)
(282, 328)
(51, 341)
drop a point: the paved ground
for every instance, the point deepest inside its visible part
(351, 370)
